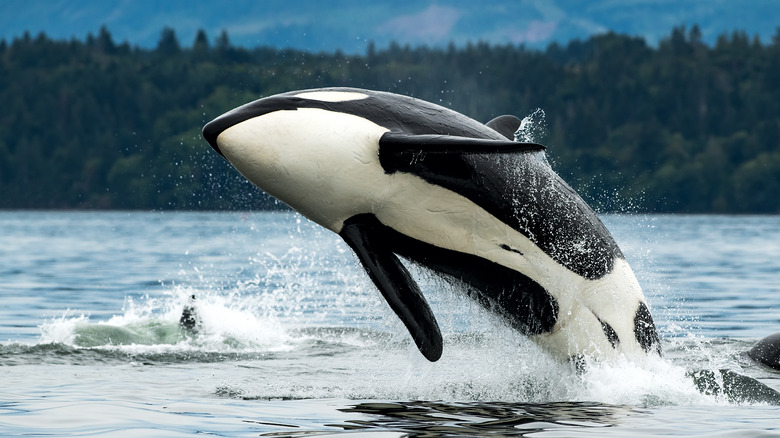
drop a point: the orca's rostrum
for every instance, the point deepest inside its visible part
(398, 176)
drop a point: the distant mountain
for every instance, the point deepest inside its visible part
(349, 25)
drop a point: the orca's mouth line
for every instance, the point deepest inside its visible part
(216, 148)
(211, 131)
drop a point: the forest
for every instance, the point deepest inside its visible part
(681, 127)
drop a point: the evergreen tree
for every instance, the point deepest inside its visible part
(169, 43)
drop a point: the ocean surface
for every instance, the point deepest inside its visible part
(295, 341)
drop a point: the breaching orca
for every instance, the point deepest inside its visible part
(397, 176)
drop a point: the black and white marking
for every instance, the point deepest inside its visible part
(397, 176)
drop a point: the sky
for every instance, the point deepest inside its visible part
(349, 25)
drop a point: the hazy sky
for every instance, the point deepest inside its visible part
(349, 25)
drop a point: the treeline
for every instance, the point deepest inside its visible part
(682, 127)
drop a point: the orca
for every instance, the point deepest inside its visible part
(396, 176)
(767, 351)
(189, 321)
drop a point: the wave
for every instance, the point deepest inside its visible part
(367, 361)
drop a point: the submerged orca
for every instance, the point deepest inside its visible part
(397, 176)
(767, 351)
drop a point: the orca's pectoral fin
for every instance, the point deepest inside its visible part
(394, 282)
(505, 125)
(395, 142)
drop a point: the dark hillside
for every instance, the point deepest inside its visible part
(684, 127)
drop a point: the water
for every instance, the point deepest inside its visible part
(295, 341)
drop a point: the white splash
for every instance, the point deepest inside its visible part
(227, 323)
(533, 127)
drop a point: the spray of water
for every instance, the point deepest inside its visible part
(533, 128)
(269, 326)
(309, 326)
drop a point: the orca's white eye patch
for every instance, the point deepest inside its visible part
(332, 96)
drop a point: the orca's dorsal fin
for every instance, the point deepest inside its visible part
(424, 143)
(505, 125)
(363, 234)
